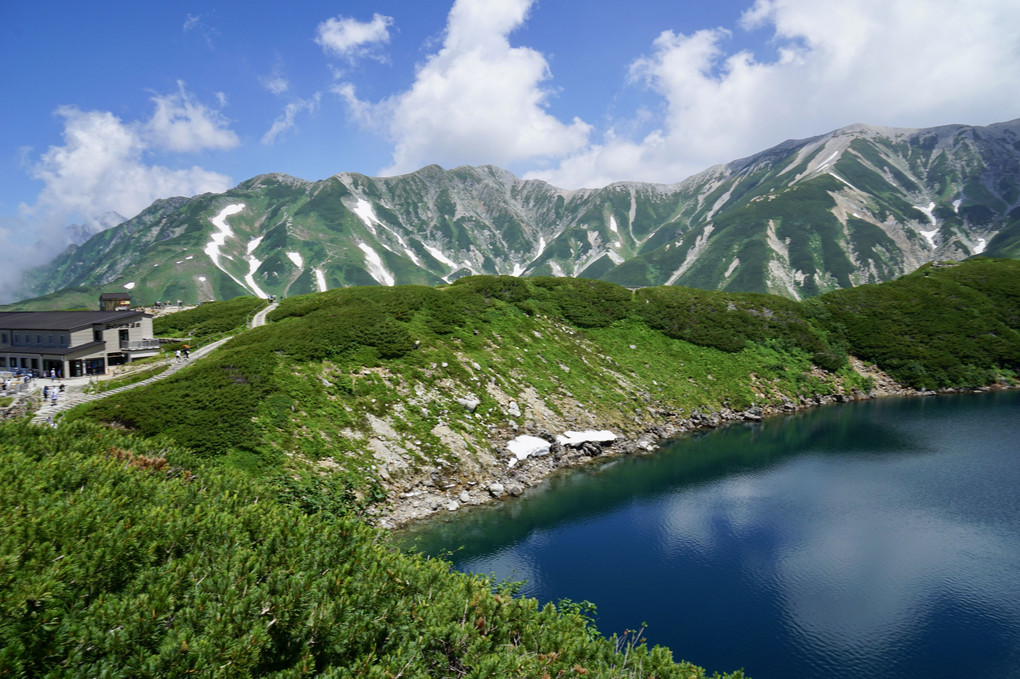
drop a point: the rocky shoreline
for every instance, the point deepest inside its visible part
(417, 499)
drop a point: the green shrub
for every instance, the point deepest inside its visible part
(120, 560)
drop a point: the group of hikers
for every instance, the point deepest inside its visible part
(50, 393)
(185, 355)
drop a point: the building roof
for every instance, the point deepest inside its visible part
(115, 295)
(60, 320)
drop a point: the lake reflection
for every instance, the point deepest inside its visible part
(879, 538)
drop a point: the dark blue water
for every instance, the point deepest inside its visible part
(878, 539)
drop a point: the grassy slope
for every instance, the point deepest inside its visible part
(368, 379)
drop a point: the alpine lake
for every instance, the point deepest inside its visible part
(875, 539)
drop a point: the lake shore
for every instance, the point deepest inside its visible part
(418, 497)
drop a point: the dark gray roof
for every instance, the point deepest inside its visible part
(115, 295)
(60, 320)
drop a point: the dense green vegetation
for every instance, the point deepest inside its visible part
(152, 554)
(308, 381)
(945, 325)
(119, 559)
(209, 320)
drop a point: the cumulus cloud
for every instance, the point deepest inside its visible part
(907, 63)
(347, 37)
(103, 167)
(181, 123)
(286, 120)
(477, 100)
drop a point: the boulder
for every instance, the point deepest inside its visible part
(469, 402)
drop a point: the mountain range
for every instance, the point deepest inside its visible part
(862, 204)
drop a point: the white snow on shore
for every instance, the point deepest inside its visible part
(320, 280)
(577, 438)
(212, 248)
(375, 265)
(525, 446)
(295, 257)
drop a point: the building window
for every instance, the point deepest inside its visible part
(3, 338)
(49, 340)
(63, 340)
(15, 338)
(97, 335)
(38, 340)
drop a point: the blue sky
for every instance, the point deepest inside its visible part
(111, 105)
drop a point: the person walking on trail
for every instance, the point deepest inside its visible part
(187, 353)
(177, 356)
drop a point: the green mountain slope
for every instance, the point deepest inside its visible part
(414, 393)
(859, 205)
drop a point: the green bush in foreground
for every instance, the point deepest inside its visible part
(117, 559)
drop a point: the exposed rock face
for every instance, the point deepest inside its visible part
(517, 462)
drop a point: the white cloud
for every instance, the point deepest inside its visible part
(348, 37)
(477, 100)
(181, 123)
(103, 165)
(908, 63)
(276, 80)
(286, 120)
(100, 168)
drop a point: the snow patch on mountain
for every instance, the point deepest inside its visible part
(366, 212)
(692, 254)
(732, 267)
(249, 278)
(930, 236)
(129, 286)
(375, 266)
(295, 257)
(982, 244)
(612, 224)
(928, 211)
(253, 243)
(320, 280)
(435, 252)
(833, 174)
(212, 248)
